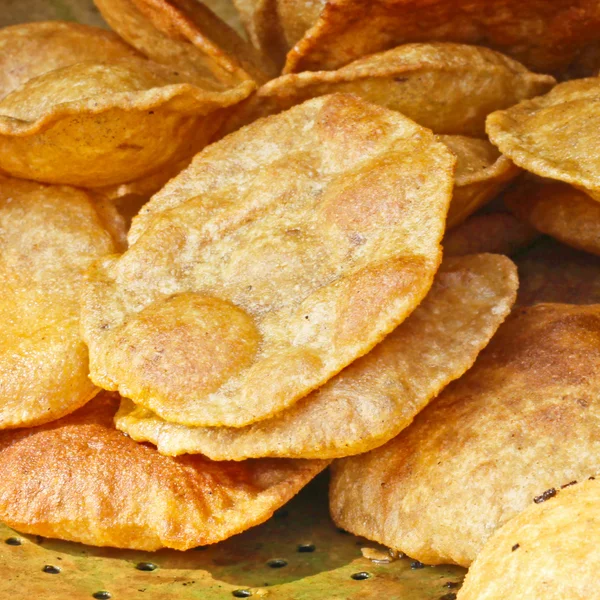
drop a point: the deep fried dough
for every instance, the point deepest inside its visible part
(449, 88)
(31, 49)
(284, 252)
(555, 135)
(186, 35)
(545, 35)
(98, 124)
(375, 397)
(524, 419)
(49, 235)
(548, 551)
(559, 210)
(80, 479)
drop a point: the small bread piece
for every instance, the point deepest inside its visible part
(555, 135)
(97, 124)
(35, 49)
(283, 253)
(32, 49)
(545, 35)
(551, 272)
(524, 419)
(186, 35)
(449, 88)
(559, 210)
(377, 396)
(496, 232)
(49, 236)
(80, 479)
(548, 551)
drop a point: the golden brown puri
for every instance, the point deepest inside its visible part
(98, 124)
(31, 49)
(524, 419)
(496, 232)
(481, 174)
(549, 551)
(80, 479)
(49, 235)
(545, 35)
(375, 397)
(449, 88)
(186, 35)
(551, 272)
(283, 253)
(559, 210)
(554, 135)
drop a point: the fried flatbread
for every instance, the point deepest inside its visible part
(545, 35)
(524, 419)
(186, 35)
(449, 88)
(49, 236)
(555, 135)
(98, 124)
(377, 396)
(80, 479)
(548, 551)
(32, 49)
(283, 253)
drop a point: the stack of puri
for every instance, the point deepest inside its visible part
(500, 468)
(219, 279)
